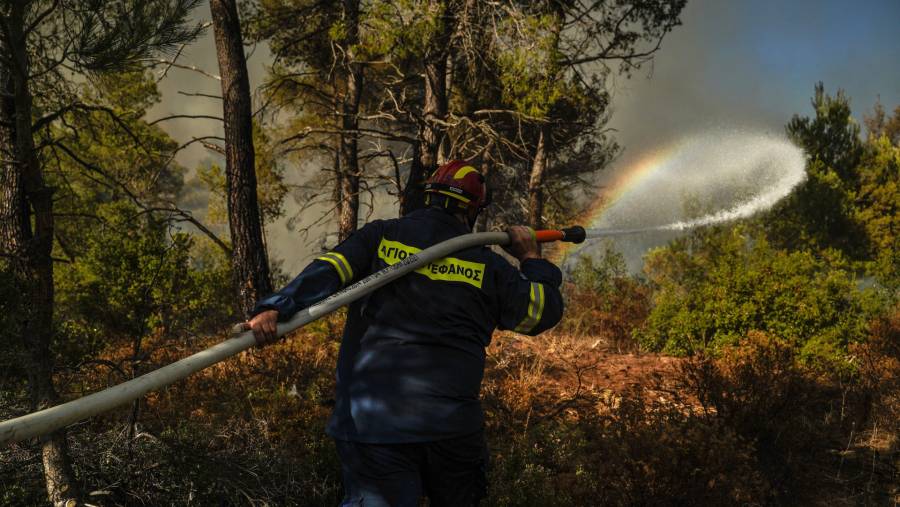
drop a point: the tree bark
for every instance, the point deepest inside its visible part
(536, 183)
(434, 111)
(25, 191)
(541, 152)
(487, 169)
(349, 153)
(430, 134)
(249, 261)
(337, 190)
(13, 209)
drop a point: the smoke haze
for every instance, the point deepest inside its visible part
(748, 65)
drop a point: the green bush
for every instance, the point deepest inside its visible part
(715, 286)
(134, 277)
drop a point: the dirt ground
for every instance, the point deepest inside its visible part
(595, 364)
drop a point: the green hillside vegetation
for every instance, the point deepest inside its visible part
(813, 272)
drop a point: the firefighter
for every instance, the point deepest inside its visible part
(407, 420)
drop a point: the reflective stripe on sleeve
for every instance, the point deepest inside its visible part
(340, 265)
(345, 264)
(535, 309)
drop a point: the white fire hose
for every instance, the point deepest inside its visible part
(53, 418)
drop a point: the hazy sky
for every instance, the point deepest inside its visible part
(755, 63)
(731, 64)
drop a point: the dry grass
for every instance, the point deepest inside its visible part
(570, 421)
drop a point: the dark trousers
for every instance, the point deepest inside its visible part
(451, 473)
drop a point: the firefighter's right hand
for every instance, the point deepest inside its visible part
(264, 327)
(522, 243)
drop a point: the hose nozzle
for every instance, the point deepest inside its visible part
(574, 234)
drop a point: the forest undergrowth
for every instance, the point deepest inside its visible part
(573, 418)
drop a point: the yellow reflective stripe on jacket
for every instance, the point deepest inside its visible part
(346, 264)
(535, 309)
(340, 265)
(337, 268)
(448, 269)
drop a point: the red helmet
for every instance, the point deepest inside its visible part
(460, 183)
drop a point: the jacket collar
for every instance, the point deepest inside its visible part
(443, 217)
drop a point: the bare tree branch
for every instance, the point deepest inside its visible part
(162, 61)
(197, 94)
(191, 116)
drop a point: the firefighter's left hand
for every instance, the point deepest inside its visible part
(263, 327)
(522, 244)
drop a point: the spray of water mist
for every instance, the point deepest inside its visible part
(730, 174)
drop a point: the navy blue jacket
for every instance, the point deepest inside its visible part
(412, 356)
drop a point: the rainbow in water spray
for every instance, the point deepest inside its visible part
(767, 167)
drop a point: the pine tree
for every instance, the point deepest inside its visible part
(250, 262)
(46, 46)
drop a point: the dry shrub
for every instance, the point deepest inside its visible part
(879, 359)
(879, 381)
(755, 426)
(534, 379)
(611, 314)
(248, 431)
(752, 427)
(802, 423)
(651, 452)
(760, 391)
(559, 439)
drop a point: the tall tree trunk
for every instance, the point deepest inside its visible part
(249, 261)
(338, 189)
(24, 190)
(434, 110)
(541, 152)
(349, 159)
(429, 136)
(13, 208)
(487, 169)
(536, 182)
(413, 196)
